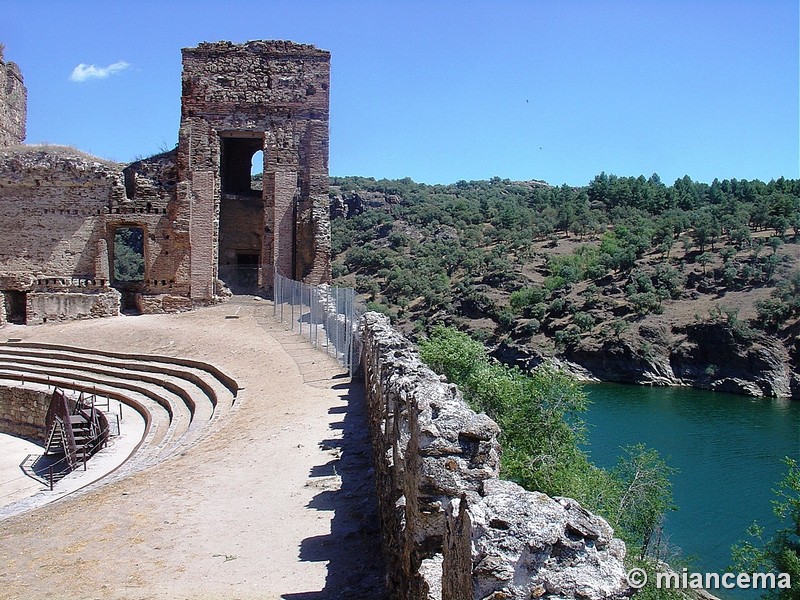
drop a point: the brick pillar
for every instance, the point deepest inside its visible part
(283, 190)
(202, 234)
(101, 261)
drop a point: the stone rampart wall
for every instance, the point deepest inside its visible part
(13, 104)
(53, 206)
(451, 528)
(23, 411)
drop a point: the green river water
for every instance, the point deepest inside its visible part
(728, 450)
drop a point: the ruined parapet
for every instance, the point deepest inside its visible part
(13, 103)
(53, 206)
(151, 203)
(451, 528)
(151, 183)
(238, 100)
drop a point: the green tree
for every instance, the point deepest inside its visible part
(706, 229)
(646, 495)
(704, 259)
(780, 553)
(129, 254)
(774, 243)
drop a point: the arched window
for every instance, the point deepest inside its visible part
(242, 157)
(257, 171)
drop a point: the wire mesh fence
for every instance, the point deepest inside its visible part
(328, 316)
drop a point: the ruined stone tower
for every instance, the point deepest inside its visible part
(239, 101)
(86, 237)
(13, 104)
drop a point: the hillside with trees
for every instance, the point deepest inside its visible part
(626, 279)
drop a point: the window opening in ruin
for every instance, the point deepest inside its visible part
(128, 254)
(16, 305)
(257, 171)
(236, 164)
(129, 178)
(241, 211)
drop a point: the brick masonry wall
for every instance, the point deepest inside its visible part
(13, 104)
(53, 206)
(451, 528)
(276, 92)
(60, 209)
(23, 411)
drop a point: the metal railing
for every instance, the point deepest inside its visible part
(328, 316)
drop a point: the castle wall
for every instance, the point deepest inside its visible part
(60, 210)
(200, 216)
(53, 206)
(13, 104)
(451, 528)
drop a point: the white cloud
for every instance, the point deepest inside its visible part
(83, 71)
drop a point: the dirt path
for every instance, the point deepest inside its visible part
(277, 502)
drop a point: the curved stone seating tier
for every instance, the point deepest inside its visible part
(178, 398)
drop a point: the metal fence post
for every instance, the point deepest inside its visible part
(333, 307)
(292, 305)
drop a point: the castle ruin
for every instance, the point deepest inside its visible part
(13, 103)
(192, 221)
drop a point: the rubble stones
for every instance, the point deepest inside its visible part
(451, 528)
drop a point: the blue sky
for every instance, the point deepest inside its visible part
(440, 91)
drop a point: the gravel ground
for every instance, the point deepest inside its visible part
(276, 502)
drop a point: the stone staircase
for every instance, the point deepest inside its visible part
(179, 399)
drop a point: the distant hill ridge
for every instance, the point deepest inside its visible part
(625, 279)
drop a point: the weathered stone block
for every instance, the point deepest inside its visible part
(451, 528)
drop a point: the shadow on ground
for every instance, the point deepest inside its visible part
(41, 467)
(353, 548)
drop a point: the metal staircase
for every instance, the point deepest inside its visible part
(76, 429)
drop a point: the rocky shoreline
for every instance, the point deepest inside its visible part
(702, 355)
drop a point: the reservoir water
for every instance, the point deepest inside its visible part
(728, 450)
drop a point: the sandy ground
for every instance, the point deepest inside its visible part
(22, 489)
(276, 502)
(14, 484)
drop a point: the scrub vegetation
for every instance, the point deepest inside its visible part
(525, 260)
(473, 266)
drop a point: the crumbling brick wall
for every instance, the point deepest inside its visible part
(60, 209)
(53, 206)
(196, 205)
(452, 530)
(238, 99)
(13, 103)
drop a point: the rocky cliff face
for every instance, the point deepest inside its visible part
(347, 204)
(702, 355)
